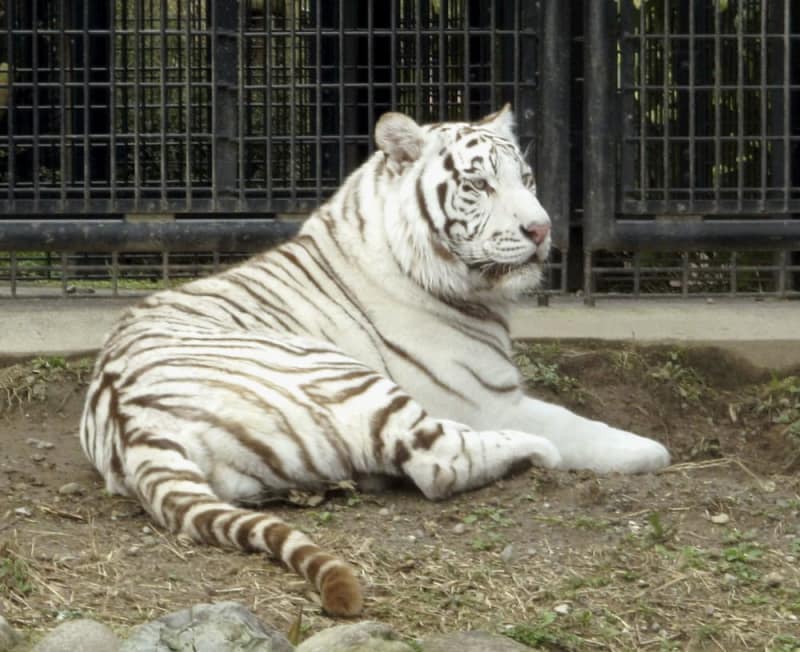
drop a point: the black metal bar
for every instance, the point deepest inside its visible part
(655, 235)
(185, 235)
(599, 160)
(225, 72)
(553, 156)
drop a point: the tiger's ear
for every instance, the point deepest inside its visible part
(501, 122)
(400, 137)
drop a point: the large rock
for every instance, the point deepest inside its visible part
(471, 642)
(366, 636)
(221, 627)
(8, 637)
(84, 635)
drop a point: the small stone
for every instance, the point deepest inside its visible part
(38, 457)
(773, 580)
(23, 511)
(729, 578)
(365, 636)
(720, 519)
(411, 538)
(185, 540)
(149, 541)
(709, 300)
(474, 641)
(206, 627)
(419, 534)
(133, 550)
(8, 637)
(507, 553)
(459, 528)
(83, 634)
(70, 488)
(562, 609)
(147, 530)
(39, 443)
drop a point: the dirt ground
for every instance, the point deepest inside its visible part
(704, 555)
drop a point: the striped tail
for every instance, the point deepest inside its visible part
(182, 500)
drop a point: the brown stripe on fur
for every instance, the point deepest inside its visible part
(314, 566)
(378, 422)
(243, 532)
(204, 521)
(275, 536)
(299, 555)
(399, 351)
(424, 439)
(401, 455)
(499, 389)
(341, 593)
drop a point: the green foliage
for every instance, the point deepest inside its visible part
(785, 643)
(682, 380)
(657, 531)
(14, 574)
(779, 400)
(540, 368)
(545, 633)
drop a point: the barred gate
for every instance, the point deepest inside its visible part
(692, 141)
(161, 138)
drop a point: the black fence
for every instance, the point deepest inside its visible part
(669, 126)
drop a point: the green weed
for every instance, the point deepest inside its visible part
(540, 368)
(544, 633)
(682, 380)
(14, 575)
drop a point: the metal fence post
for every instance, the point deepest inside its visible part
(225, 66)
(553, 159)
(599, 162)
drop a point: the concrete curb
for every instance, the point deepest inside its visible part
(765, 333)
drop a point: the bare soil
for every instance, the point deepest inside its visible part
(705, 555)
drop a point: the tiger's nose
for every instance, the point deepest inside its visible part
(536, 232)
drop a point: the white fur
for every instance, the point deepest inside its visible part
(392, 292)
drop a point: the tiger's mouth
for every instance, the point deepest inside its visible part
(493, 271)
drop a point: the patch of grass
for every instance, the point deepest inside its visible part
(489, 516)
(785, 643)
(14, 574)
(487, 541)
(657, 531)
(545, 633)
(682, 380)
(741, 560)
(779, 401)
(540, 367)
(28, 381)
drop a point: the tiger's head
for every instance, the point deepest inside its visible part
(471, 223)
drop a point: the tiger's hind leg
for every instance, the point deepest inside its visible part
(443, 457)
(177, 494)
(450, 458)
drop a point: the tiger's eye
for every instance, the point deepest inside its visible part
(480, 184)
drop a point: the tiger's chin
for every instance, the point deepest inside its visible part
(512, 283)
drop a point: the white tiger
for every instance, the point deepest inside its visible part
(376, 342)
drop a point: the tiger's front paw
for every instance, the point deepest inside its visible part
(537, 450)
(605, 450)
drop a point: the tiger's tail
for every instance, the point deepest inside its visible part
(181, 498)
